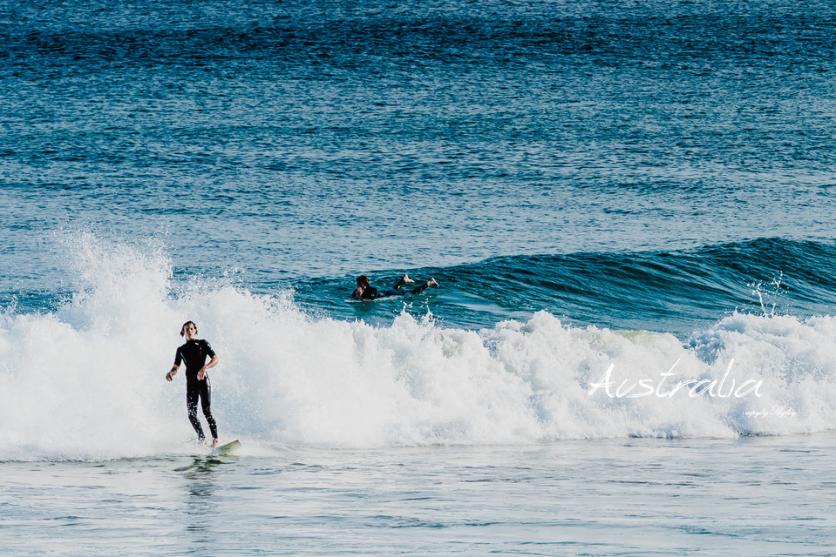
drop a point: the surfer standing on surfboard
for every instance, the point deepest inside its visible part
(194, 353)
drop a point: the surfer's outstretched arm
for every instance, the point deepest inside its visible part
(178, 359)
(172, 372)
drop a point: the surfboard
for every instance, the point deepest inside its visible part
(205, 461)
(228, 448)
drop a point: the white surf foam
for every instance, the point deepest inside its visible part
(87, 380)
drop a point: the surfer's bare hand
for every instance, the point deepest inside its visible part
(169, 376)
(201, 374)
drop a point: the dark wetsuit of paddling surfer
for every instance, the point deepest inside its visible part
(194, 353)
(366, 291)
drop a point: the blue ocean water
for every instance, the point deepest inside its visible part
(642, 186)
(321, 140)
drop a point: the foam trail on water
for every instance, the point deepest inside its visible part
(87, 380)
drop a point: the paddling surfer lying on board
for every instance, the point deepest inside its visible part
(366, 291)
(194, 353)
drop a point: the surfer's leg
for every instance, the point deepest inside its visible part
(403, 280)
(205, 403)
(418, 290)
(191, 405)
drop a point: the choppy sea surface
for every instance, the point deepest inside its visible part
(640, 187)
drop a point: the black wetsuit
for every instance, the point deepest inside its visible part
(194, 353)
(372, 293)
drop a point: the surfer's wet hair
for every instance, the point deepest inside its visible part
(362, 280)
(186, 324)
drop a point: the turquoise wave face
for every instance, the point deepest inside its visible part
(672, 291)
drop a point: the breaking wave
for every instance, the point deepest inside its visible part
(86, 380)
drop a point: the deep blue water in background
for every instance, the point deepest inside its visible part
(633, 165)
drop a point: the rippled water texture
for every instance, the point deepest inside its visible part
(317, 139)
(641, 497)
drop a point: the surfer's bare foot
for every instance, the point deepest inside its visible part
(214, 443)
(432, 282)
(403, 280)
